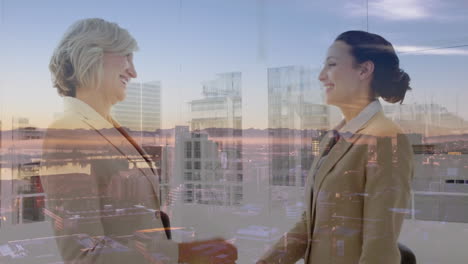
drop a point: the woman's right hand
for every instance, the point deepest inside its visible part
(214, 251)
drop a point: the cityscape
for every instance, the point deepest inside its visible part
(223, 132)
(252, 180)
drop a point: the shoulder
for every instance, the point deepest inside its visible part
(69, 130)
(380, 126)
(380, 130)
(69, 121)
(66, 124)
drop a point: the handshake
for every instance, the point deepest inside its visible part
(214, 251)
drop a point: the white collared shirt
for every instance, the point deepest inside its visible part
(347, 129)
(360, 120)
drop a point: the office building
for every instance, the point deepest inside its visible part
(296, 121)
(210, 155)
(141, 109)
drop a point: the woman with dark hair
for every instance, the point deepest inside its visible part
(358, 188)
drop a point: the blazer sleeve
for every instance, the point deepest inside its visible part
(387, 194)
(291, 246)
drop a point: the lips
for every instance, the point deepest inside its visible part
(124, 79)
(329, 87)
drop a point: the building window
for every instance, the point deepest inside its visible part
(196, 176)
(197, 150)
(239, 177)
(188, 150)
(197, 165)
(188, 194)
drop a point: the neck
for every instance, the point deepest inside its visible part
(350, 111)
(96, 102)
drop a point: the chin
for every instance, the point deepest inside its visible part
(121, 96)
(118, 99)
(329, 101)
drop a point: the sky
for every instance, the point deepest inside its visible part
(183, 43)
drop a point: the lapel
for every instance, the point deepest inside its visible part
(326, 141)
(124, 147)
(337, 152)
(341, 147)
(318, 174)
(313, 170)
(322, 146)
(116, 139)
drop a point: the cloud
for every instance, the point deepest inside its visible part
(393, 9)
(427, 50)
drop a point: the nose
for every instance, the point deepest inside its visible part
(131, 69)
(322, 76)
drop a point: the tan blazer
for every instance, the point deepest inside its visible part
(81, 137)
(356, 200)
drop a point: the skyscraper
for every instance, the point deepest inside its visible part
(296, 119)
(208, 171)
(221, 105)
(141, 109)
(212, 151)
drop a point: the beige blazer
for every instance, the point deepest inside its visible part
(356, 200)
(81, 137)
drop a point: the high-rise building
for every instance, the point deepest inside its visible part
(211, 153)
(209, 173)
(141, 109)
(221, 105)
(296, 120)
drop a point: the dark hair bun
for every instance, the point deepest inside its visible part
(388, 81)
(394, 89)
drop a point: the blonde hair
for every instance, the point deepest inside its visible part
(77, 60)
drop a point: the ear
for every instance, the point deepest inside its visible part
(366, 69)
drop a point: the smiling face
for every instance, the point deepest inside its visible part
(341, 77)
(117, 70)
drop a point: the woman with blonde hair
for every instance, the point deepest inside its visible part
(103, 200)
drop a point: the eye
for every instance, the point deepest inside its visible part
(327, 64)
